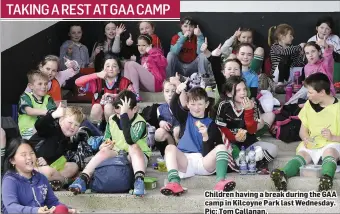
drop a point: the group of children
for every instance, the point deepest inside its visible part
(197, 135)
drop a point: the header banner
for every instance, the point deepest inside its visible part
(89, 9)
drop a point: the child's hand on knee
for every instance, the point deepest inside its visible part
(165, 125)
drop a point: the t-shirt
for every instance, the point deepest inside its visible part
(252, 80)
(315, 118)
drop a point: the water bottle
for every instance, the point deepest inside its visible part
(252, 161)
(289, 92)
(243, 162)
(297, 84)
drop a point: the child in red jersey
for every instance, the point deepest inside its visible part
(185, 56)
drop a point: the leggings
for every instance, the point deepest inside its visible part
(140, 77)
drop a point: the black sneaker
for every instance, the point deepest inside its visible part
(279, 179)
(326, 183)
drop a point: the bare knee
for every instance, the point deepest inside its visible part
(331, 152)
(170, 149)
(96, 113)
(259, 51)
(305, 156)
(220, 147)
(71, 167)
(108, 111)
(104, 153)
(161, 134)
(232, 56)
(134, 148)
(48, 171)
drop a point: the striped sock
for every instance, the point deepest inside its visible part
(328, 166)
(173, 176)
(221, 165)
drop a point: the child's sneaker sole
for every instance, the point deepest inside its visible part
(326, 183)
(75, 191)
(169, 192)
(230, 186)
(56, 185)
(279, 180)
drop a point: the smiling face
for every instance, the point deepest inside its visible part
(75, 33)
(142, 46)
(240, 92)
(69, 125)
(197, 107)
(246, 37)
(323, 30)
(111, 68)
(146, 28)
(39, 86)
(312, 54)
(231, 69)
(245, 55)
(168, 91)
(50, 69)
(24, 160)
(110, 30)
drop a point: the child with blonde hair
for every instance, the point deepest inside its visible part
(57, 79)
(34, 104)
(53, 140)
(147, 27)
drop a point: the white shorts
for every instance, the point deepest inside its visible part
(195, 166)
(316, 154)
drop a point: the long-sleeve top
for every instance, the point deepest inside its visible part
(277, 52)
(333, 40)
(49, 140)
(115, 48)
(156, 63)
(186, 48)
(80, 53)
(226, 48)
(192, 140)
(231, 120)
(23, 195)
(324, 65)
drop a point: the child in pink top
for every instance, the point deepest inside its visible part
(316, 64)
(148, 76)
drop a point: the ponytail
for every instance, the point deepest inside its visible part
(271, 37)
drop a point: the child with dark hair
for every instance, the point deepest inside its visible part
(320, 133)
(25, 190)
(125, 130)
(150, 74)
(317, 63)
(200, 150)
(73, 49)
(185, 56)
(239, 118)
(325, 31)
(105, 86)
(148, 28)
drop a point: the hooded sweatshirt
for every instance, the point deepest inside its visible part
(22, 195)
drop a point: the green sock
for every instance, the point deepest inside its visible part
(221, 165)
(235, 152)
(328, 166)
(173, 176)
(256, 63)
(262, 131)
(292, 168)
